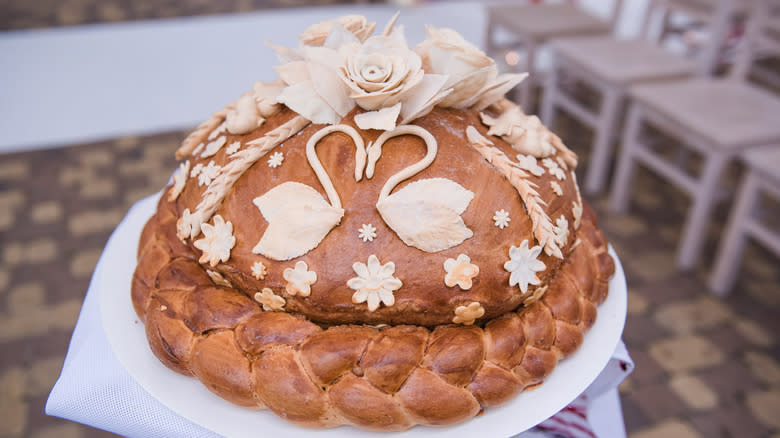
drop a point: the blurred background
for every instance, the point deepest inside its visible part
(672, 106)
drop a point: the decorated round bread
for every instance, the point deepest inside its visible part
(377, 238)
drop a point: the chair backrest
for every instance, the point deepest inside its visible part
(613, 15)
(762, 34)
(718, 16)
(712, 12)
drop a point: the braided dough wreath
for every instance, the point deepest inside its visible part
(388, 378)
(374, 259)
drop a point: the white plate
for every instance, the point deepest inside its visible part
(190, 399)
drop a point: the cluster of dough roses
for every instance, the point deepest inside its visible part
(339, 65)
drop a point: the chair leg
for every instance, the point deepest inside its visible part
(644, 30)
(665, 28)
(696, 224)
(602, 146)
(489, 29)
(729, 255)
(624, 173)
(526, 87)
(549, 96)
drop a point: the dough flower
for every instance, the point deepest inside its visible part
(374, 284)
(523, 265)
(217, 241)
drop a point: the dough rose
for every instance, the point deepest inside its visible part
(316, 34)
(444, 51)
(381, 72)
(381, 75)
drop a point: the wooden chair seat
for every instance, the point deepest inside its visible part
(623, 61)
(729, 114)
(540, 22)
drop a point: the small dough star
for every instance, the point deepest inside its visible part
(233, 148)
(259, 270)
(556, 188)
(467, 314)
(367, 232)
(208, 173)
(196, 170)
(270, 301)
(554, 169)
(276, 159)
(502, 219)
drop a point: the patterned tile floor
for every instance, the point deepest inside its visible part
(706, 367)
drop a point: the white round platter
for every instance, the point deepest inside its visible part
(189, 398)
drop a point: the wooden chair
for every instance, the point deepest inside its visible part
(609, 66)
(763, 177)
(533, 25)
(716, 118)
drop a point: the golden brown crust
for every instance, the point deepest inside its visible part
(366, 406)
(221, 364)
(424, 298)
(494, 386)
(388, 378)
(169, 337)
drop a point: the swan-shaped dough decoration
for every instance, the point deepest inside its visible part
(298, 216)
(425, 214)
